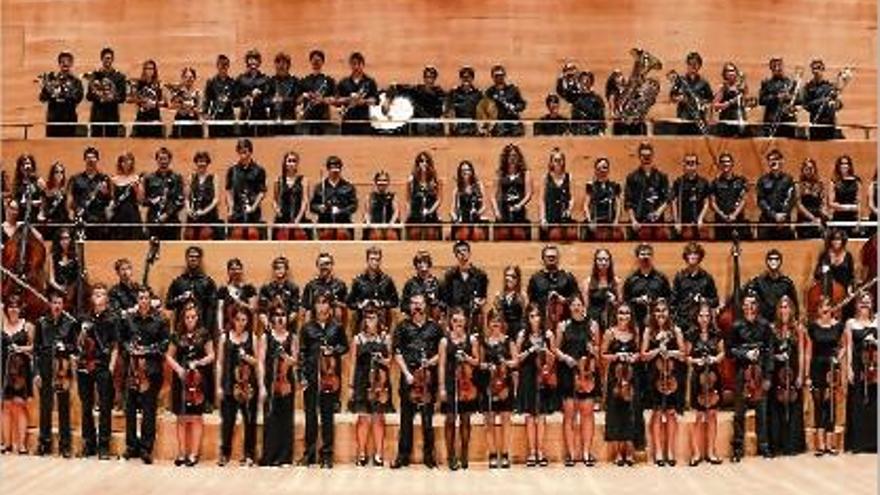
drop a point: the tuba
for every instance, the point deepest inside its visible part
(640, 92)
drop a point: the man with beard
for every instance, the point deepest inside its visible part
(551, 280)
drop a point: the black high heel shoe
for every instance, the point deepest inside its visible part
(589, 461)
(378, 461)
(505, 461)
(361, 461)
(179, 460)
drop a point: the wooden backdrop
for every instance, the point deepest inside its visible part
(532, 38)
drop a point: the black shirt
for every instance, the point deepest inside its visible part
(198, 287)
(552, 125)
(342, 195)
(542, 283)
(62, 105)
(588, 106)
(87, 199)
(653, 284)
(775, 195)
(689, 87)
(817, 101)
(769, 290)
(463, 102)
(246, 182)
(729, 191)
(148, 333)
(690, 195)
(378, 288)
(163, 193)
(747, 335)
(645, 192)
(112, 92)
(54, 339)
(286, 293)
(603, 198)
(260, 106)
(366, 86)
(220, 96)
(509, 101)
(428, 286)
(333, 286)
(104, 330)
(568, 88)
(381, 207)
(774, 106)
(287, 88)
(313, 336)
(123, 296)
(320, 84)
(458, 290)
(416, 342)
(428, 101)
(689, 289)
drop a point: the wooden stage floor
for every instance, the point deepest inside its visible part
(802, 475)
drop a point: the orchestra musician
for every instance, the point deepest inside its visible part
(770, 286)
(428, 102)
(624, 422)
(567, 84)
(645, 285)
(62, 92)
(146, 93)
(861, 348)
(253, 97)
(821, 98)
(778, 96)
(355, 94)
(106, 91)
(422, 282)
(195, 285)
(785, 408)
(468, 205)
(322, 343)
(727, 197)
(588, 107)
(497, 351)
(316, 92)
(55, 345)
(552, 123)
(190, 353)
(812, 202)
(845, 194)
(236, 292)
(464, 285)
(551, 280)
(381, 207)
(280, 354)
(373, 287)
(285, 91)
(692, 95)
(705, 352)
(290, 200)
(602, 289)
(201, 200)
(459, 359)
(54, 207)
(691, 287)
(334, 201)
(690, 200)
(90, 195)
(144, 341)
(220, 96)
(281, 292)
(424, 197)
(245, 189)
(16, 355)
(646, 197)
(462, 103)
(557, 223)
(509, 102)
(163, 195)
(602, 206)
(825, 352)
(731, 103)
(325, 282)
(513, 194)
(127, 193)
(776, 199)
(186, 99)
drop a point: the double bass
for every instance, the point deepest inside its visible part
(24, 257)
(729, 314)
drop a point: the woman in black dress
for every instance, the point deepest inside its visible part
(279, 351)
(200, 202)
(189, 352)
(380, 207)
(602, 206)
(731, 102)
(498, 387)
(602, 289)
(54, 207)
(423, 192)
(290, 199)
(811, 207)
(839, 262)
(468, 205)
(513, 194)
(510, 301)
(664, 352)
(27, 185)
(861, 407)
(844, 193)
(371, 385)
(536, 394)
(126, 193)
(824, 357)
(64, 268)
(18, 374)
(556, 221)
(459, 359)
(620, 349)
(785, 404)
(187, 100)
(240, 384)
(705, 352)
(577, 347)
(146, 93)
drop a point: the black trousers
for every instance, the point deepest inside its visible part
(100, 381)
(48, 395)
(229, 409)
(319, 405)
(408, 412)
(146, 403)
(740, 406)
(278, 432)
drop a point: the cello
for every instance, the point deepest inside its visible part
(729, 314)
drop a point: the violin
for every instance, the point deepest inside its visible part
(329, 377)
(547, 369)
(16, 366)
(193, 390)
(753, 378)
(464, 380)
(833, 379)
(585, 377)
(61, 374)
(137, 374)
(709, 398)
(242, 389)
(665, 383)
(378, 392)
(281, 384)
(498, 382)
(88, 346)
(420, 390)
(623, 386)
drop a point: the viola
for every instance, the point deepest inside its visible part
(585, 376)
(61, 374)
(420, 390)
(786, 390)
(623, 386)
(329, 377)
(709, 397)
(378, 392)
(464, 381)
(498, 382)
(242, 386)
(753, 378)
(193, 389)
(137, 374)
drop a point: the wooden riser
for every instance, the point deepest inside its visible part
(345, 444)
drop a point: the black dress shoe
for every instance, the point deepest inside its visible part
(103, 455)
(430, 463)
(714, 460)
(493, 461)
(66, 453)
(147, 458)
(192, 461)
(568, 462)
(180, 461)
(590, 461)
(305, 461)
(695, 462)
(620, 462)
(130, 454)
(629, 462)
(453, 464)
(223, 460)
(660, 462)
(361, 461)
(378, 461)
(671, 462)
(399, 463)
(326, 463)
(464, 463)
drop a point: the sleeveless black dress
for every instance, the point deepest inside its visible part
(532, 398)
(825, 346)
(702, 349)
(786, 421)
(495, 352)
(189, 347)
(575, 338)
(290, 197)
(126, 210)
(20, 387)
(278, 418)
(622, 414)
(861, 406)
(422, 197)
(367, 347)
(658, 400)
(464, 406)
(556, 199)
(512, 190)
